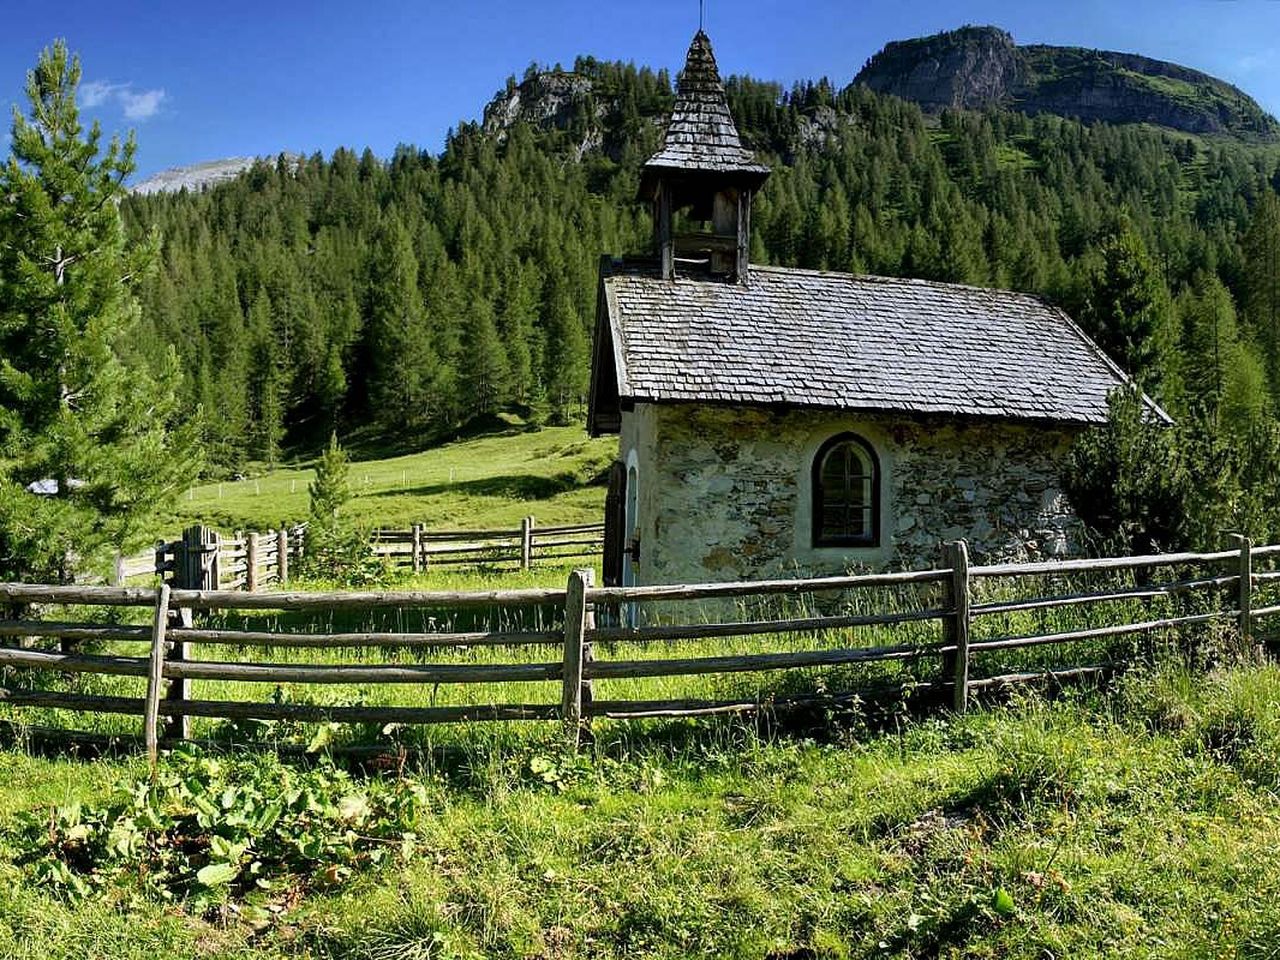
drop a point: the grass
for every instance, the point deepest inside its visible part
(489, 481)
(1137, 822)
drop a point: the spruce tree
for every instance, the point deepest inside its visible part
(336, 549)
(399, 346)
(1128, 310)
(101, 436)
(566, 355)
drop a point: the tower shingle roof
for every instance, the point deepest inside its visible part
(702, 137)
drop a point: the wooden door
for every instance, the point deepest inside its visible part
(615, 532)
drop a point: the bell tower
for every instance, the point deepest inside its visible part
(701, 182)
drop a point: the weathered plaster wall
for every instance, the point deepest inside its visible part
(724, 493)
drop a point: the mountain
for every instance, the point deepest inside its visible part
(979, 67)
(195, 176)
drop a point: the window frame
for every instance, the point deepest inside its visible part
(818, 539)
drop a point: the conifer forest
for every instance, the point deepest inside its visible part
(398, 300)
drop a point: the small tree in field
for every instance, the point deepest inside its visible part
(335, 548)
(102, 440)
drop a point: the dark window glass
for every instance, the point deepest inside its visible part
(846, 487)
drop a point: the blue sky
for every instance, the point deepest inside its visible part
(229, 78)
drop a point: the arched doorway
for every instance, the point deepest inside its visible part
(630, 523)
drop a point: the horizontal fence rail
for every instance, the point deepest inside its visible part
(602, 634)
(250, 561)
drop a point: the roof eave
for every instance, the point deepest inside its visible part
(749, 177)
(627, 400)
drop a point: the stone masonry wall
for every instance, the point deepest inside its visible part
(724, 493)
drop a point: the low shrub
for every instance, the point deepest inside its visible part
(211, 829)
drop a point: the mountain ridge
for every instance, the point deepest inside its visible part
(971, 68)
(977, 67)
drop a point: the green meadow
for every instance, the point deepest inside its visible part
(489, 481)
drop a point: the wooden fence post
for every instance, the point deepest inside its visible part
(282, 554)
(526, 543)
(199, 565)
(416, 548)
(957, 632)
(575, 626)
(178, 726)
(1245, 592)
(155, 677)
(117, 572)
(162, 560)
(251, 561)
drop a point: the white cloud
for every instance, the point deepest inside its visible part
(95, 93)
(139, 106)
(135, 104)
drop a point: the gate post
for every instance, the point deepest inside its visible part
(251, 561)
(282, 555)
(196, 566)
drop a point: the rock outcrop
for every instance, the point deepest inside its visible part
(979, 67)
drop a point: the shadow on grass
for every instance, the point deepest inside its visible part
(373, 443)
(520, 486)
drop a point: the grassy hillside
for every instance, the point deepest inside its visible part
(489, 481)
(1143, 822)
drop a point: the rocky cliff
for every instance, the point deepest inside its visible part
(977, 67)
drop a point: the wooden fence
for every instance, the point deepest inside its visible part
(422, 548)
(253, 560)
(1224, 584)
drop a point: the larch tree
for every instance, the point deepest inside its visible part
(400, 346)
(1262, 283)
(101, 440)
(486, 372)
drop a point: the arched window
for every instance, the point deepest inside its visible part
(846, 494)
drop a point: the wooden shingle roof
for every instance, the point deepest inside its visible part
(813, 339)
(702, 137)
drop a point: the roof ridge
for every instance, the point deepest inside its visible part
(885, 278)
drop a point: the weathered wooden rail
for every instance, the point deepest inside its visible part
(1226, 593)
(421, 548)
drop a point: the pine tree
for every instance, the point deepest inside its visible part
(71, 412)
(515, 324)
(566, 356)
(268, 433)
(330, 491)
